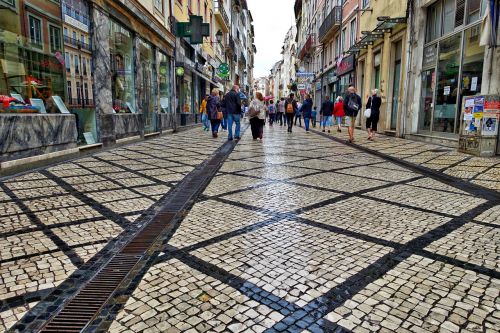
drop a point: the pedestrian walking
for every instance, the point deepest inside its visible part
(232, 102)
(214, 112)
(373, 104)
(291, 108)
(352, 104)
(326, 112)
(280, 112)
(272, 112)
(314, 114)
(306, 110)
(298, 115)
(224, 112)
(203, 111)
(257, 115)
(338, 112)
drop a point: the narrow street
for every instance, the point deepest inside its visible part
(298, 233)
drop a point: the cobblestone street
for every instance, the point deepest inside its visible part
(298, 233)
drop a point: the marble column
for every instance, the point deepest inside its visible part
(102, 76)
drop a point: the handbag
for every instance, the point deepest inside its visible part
(220, 115)
(352, 104)
(368, 113)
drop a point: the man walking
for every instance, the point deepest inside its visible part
(232, 102)
(291, 108)
(352, 104)
(326, 111)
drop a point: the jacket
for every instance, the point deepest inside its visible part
(338, 109)
(203, 106)
(326, 109)
(374, 103)
(350, 112)
(306, 108)
(213, 106)
(232, 102)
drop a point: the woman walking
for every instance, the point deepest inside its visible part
(213, 111)
(204, 116)
(338, 112)
(257, 114)
(373, 104)
(306, 110)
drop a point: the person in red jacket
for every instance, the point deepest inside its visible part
(338, 112)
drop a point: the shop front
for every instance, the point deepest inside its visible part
(33, 117)
(452, 67)
(345, 74)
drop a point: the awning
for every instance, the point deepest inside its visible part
(369, 37)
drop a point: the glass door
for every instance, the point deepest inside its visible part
(395, 94)
(427, 99)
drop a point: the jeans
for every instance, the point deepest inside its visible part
(224, 122)
(279, 118)
(272, 118)
(215, 125)
(299, 117)
(289, 120)
(306, 123)
(236, 118)
(205, 121)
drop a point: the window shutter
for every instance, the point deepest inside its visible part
(459, 14)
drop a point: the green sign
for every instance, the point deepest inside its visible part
(223, 70)
(179, 71)
(195, 29)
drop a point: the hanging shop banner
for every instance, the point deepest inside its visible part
(346, 65)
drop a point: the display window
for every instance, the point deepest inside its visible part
(165, 87)
(31, 66)
(122, 69)
(147, 85)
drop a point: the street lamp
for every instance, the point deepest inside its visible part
(218, 36)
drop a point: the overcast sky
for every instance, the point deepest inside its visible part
(271, 19)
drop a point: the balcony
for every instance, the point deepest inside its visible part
(221, 15)
(230, 45)
(307, 47)
(76, 43)
(330, 24)
(80, 102)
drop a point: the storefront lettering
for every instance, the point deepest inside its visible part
(346, 65)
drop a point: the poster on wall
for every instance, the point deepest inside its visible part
(478, 107)
(490, 124)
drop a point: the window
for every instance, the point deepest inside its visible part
(35, 31)
(67, 61)
(55, 38)
(366, 3)
(86, 92)
(82, 39)
(74, 35)
(84, 65)
(433, 22)
(353, 32)
(70, 93)
(65, 31)
(448, 16)
(78, 93)
(344, 40)
(76, 62)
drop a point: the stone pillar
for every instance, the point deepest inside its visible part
(385, 70)
(102, 76)
(491, 72)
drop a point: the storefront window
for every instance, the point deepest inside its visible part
(122, 73)
(428, 85)
(146, 90)
(165, 83)
(447, 87)
(472, 68)
(31, 73)
(448, 16)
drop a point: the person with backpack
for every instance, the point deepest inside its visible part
(306, 110)
(326, 112)
(352, 105)
(291, 108)
(374, 102)
(214, 113)
(272, 112)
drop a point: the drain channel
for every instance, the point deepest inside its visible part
(76, 315)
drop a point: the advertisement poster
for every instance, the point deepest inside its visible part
(490, 125)
(474, 84)
(478, 107)
(447, 90)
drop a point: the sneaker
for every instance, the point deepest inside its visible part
(339, 130)
(230, 139)
(328, 131)
(237, 138)
(323, 131)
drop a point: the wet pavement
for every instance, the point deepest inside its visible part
(297, 233)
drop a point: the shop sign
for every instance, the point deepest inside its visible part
(179, 71)
(198, 67)
(301, 86)
(318, 85)
(430, 56)
(75, 23)
(346, 65)
(331, 78)
(223, 70)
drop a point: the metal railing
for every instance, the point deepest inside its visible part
(219, 9)
(80, 102)
(78, 43)
(333, 19)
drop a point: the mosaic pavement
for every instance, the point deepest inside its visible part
(297, 233)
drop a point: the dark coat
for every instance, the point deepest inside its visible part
(294, 104)
(306, 108)
(213, 105)
(232, 102)
(374, 103)
(326, 109)
(350, 112)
